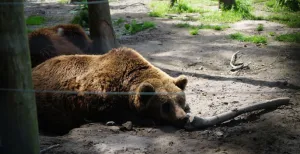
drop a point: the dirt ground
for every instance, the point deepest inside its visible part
(212, 88)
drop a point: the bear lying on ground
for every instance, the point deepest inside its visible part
(49, 42)
(111, 76)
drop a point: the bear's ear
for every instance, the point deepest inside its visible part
(145, 92)
(181, 82)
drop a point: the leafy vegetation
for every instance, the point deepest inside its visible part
(290, 19)
(81, 18)
(35, 20)
(81, 15)
(134, 27)
(260, 27)
(63, 1)
(202, 26)
(161, 8)
(272, 33)
(119, 21)
(245, 38)
(293, 5)
(194, 31)
(293, 37)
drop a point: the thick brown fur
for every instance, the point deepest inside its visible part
(45, 43)
(65, 39)
(120, 70)
(75, 34)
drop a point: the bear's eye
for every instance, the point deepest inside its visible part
(166, 107)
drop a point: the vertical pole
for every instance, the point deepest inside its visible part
(101, 28)
(18, 116)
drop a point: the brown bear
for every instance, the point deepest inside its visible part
(75, 34)
(49, 42)
(115, 86)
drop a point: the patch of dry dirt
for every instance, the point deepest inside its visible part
(212, 89)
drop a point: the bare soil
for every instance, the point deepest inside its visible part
(212, 88)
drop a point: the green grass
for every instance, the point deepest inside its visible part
(202, 26)
(35, 20)
(81, 18)
(161, 8)
(244, 38)
(290, 19)
(272, 33)
(260, 27)
(135, 27)
(29, 31)
(119, 21)
(293, 37)
(194, 31)
(220, 17)
(183, 25)
(63, 1)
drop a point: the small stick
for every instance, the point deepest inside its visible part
(49, 148)
(234, 65)
(196, 122)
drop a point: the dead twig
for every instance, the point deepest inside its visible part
(195, 122)
(236, 66)
(132, 5)
(49, 148)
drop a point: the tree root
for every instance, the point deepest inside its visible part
(196, 122)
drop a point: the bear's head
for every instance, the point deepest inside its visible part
(163, 100)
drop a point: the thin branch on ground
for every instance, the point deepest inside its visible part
(132, 5)
(236, 66)
(196, 122)
(49, 148)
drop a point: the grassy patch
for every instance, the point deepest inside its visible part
(260, 27)
(253, 38)
(119, 21)
(221, 17)
(29, 31)
(81, 18)
(215, 27)
(290, 19)
(135, 27)
(183, 25)
(35, 20)
(161, 8)
(293, 37)
(194, 31)
(202, 26)
(63, 1)
(272, 33)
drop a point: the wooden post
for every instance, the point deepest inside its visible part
(101, 29)
(18, 116)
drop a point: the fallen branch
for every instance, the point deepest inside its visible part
(132, 5)
(234, 65)
(49, 148)
(196, 122)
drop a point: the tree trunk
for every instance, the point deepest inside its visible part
(18, 116)
(101, 29)
(227, 4)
